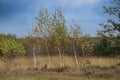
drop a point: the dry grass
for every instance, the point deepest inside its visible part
(98, 61)
(48, 77)
(24, 63)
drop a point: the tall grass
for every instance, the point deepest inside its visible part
(24, 63)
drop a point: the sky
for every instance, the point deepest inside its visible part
(18, 16)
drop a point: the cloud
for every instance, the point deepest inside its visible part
(78, 3)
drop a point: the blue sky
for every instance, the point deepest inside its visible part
(18, 16)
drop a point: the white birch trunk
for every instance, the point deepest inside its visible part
(49, 58)
(48, 55)
(34, 57)
(75, 55)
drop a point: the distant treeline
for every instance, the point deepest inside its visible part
(84, 46)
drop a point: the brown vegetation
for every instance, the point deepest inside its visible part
(88, 67)
(24, 63)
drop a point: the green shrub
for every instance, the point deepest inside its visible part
(9, 47)
(103, 47)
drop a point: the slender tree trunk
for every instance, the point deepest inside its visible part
(60, 57)
(75, 55)
(49, 58)
(48, 55)
(34, 57)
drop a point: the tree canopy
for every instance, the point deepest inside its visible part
(10, 47)
(111, 30)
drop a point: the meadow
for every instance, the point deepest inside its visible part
(50, 77)
(24, 63)
(90, 68)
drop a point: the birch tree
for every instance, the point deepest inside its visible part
(75, 34)
(43, 30)
(58, 21)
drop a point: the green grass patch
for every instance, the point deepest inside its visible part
(48, 77)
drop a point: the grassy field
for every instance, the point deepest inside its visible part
(90, 68)
(23, 63)
(49, 77)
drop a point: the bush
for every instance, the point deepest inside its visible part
(103, 47)
(9, 47)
